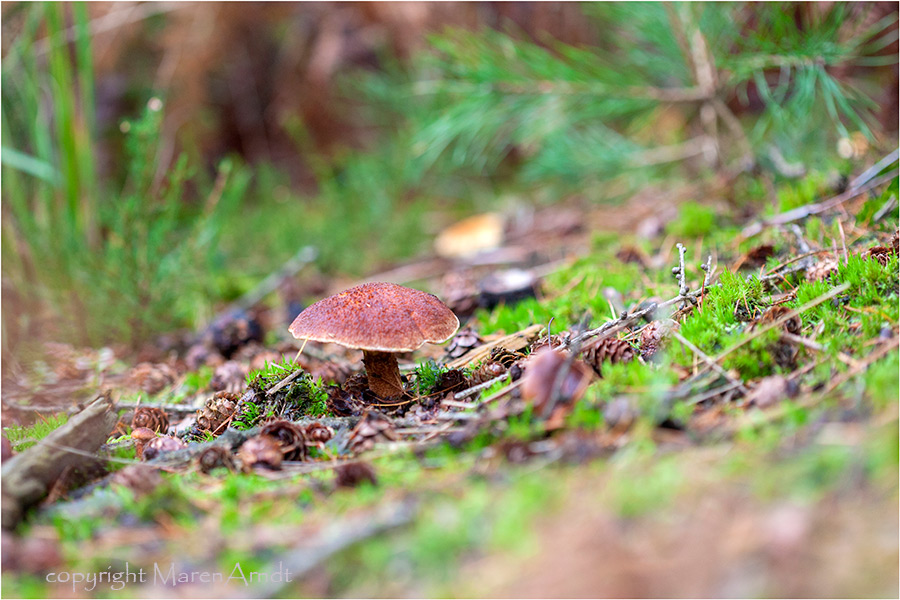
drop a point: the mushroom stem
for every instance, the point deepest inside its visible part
(383, 373)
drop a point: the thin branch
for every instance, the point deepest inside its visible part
(813, 209)
(709, 361)
(481, 386)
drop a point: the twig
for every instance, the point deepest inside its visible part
(178, 409)
(813, 209)
(815, 346)
(714, 392)
(281, 384)
(891, 203)
(710, 362)
(481, 386)
(27, 477)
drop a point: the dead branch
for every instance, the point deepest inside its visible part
(28, 476)
(803, 212)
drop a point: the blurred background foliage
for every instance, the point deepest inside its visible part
(159, 159)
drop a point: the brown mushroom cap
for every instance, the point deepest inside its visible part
(379, 317)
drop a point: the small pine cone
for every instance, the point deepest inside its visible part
(218, 410)
(340, 402)
(654, 335)
(619, 415)
(200, 355)
(261, 450)
(152, 377)
(141, 479)
(486, 371)
(784, 354)
(372, 427)
(354, 474)
(506, 357)
(516, 451)
(792, 325)
(449, 381)
(356, 385)
(317, 433)
(154, 419)
(632, 254)
(611, 350)
(554, 341)
(880, 253)
(464, 340)
(214, 457)
(161, 445)
(823, 269)
(228, 377)
(290, 437)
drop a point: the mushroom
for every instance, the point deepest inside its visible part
(379, 319)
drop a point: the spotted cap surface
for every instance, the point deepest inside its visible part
(382, 317)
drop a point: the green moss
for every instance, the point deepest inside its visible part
(427, 375)
(22, 437)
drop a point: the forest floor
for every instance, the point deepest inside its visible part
(653, 399)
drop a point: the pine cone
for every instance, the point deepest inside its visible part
(449, 381)
(161, 445)
(356, 385)
(235, 330)
(290, 437)
(486, 371)
(317, 434)
(880, 253)
(200, 355)
(506, 357)
(372, 427)
(141, 479)
(619, 415)
(228, 377)
(218, 410)
(215, 457)
(464, 340)
(792, 325)
(261, 450)
(340, 402)
(653, 336)
(784, 354)
(353, 474)
(152, 377)
(823, 269)
(611, 350)
(554, 341)
(150, 417)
